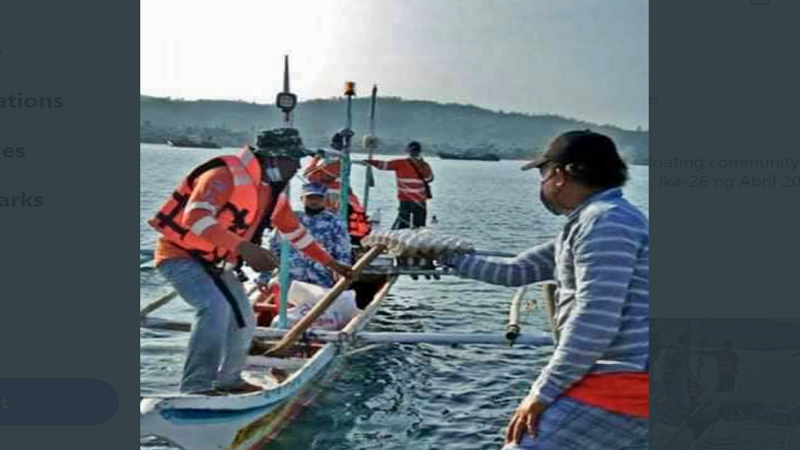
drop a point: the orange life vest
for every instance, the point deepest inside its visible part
(357, 224)
(237, 215)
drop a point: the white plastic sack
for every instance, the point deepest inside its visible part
(303, 296)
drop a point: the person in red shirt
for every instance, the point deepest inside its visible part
(414, 176)
(211, 224)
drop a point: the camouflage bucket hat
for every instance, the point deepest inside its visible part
(282, 142)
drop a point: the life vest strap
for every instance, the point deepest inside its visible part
(239, 225)
(215, 274)
(168, 220)
(202, 168)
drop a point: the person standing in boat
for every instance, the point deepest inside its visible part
(594, 391)
(211, 224)
(414, 176)
(727, 366)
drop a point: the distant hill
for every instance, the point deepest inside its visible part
(444, 127)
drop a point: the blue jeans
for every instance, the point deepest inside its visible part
(218, 346)
(570, 425)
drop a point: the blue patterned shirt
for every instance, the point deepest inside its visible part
(601, 264)
(330, 232)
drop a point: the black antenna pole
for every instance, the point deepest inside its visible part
(286, 101)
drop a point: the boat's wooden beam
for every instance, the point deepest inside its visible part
(158, 303)
(453, 338)
(264, 333)
(305, 322)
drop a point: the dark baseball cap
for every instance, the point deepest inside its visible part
(582, 147)
(314, 189)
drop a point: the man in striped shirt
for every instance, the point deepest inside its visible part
(593, 393)
(413, 191)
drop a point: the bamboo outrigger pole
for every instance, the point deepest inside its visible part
(158, 303)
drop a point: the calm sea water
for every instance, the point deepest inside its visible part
(402, 396)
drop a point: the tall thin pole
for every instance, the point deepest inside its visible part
(284, 267)
(350, 91)
(369, 178)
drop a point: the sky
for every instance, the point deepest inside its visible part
(587, 59)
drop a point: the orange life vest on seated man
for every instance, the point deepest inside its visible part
(240, 215)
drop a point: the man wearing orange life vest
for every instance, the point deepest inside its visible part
(413, 191)
(328, 173)
(213, 221)
(727, 366)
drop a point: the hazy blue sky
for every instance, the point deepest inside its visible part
(581, 58)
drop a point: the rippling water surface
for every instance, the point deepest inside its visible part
(402, 396)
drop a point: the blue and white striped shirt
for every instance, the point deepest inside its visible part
(600, 262)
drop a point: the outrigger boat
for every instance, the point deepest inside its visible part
(291, 379)
(290, 364)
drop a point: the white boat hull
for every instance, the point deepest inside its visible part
(247, 421)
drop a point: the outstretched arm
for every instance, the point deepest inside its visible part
(531, 266)
(381, 165)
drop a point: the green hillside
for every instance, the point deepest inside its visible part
(447, 127)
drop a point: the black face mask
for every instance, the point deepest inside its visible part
(548, 204)
(313, 211)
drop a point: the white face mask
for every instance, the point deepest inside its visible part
(273, 174)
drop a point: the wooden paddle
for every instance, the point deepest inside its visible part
(300, 327)
(158, 303)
